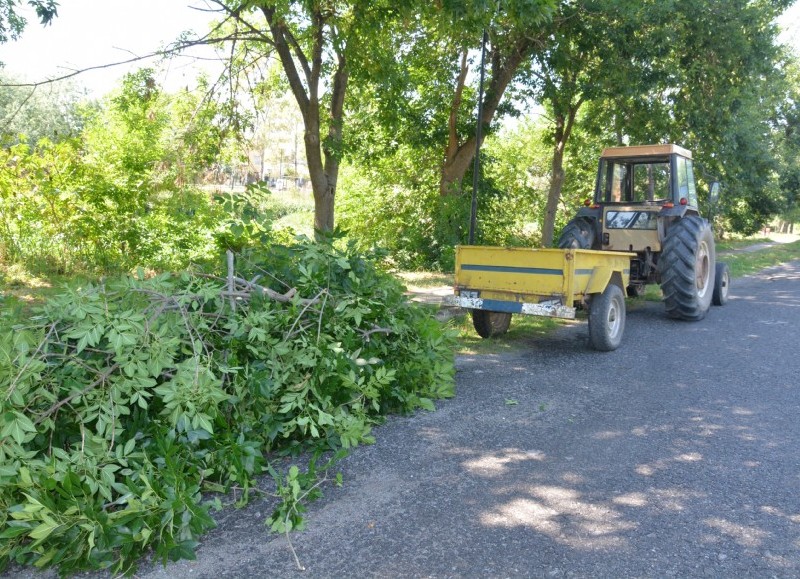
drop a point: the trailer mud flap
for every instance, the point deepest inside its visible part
(601, 275)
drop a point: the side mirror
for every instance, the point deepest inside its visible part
(713, 195)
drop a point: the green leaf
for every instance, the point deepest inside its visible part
(204, 422)
(183, 550)
(8, 470)
(43, 530)
(427, 404)
(24, 422)
(17, 426)
(12, 532)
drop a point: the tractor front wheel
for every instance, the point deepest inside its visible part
(722, 284)
(687, 268)
(489, 324)
(607, 319)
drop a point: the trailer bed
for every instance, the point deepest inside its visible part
(545, 282)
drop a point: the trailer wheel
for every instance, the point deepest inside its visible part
(722, 284)
(578, 234)
(607, 319)
(489, 324)
(686, 267)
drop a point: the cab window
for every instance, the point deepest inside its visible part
(634, 182)
(612, 182)
(650, 182)
(686, 187)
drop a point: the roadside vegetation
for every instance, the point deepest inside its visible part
(202, 292)
(128, 399)
(743, 263)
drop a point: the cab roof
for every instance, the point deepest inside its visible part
(646, 151)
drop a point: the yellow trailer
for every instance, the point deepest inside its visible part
(496, 282)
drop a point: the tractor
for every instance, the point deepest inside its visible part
(645, 202)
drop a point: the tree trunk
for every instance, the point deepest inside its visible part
(459, 156)
(556, 182)
(324, 199)
(449, 182)
(304, 75)
(320, 180)
(561, 134)
(324, 210)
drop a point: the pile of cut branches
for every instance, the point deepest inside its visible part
(122, 402)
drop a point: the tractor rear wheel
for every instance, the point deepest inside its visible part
(607, 319)
(489, 324)
(686, 268)
(578, 234)
(722, 284)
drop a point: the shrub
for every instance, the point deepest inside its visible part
(120, 403)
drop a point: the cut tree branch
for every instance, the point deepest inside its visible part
(103, 377)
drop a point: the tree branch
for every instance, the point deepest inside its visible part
(174, 50)
(103, 377)
(285, 53)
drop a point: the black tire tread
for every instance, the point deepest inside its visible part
(490, 324)
(599, 335)
(720, 297)
(677, 269)
(579, 233)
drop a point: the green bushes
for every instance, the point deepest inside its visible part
(61, 215)
(394, 201)
(121, 402)
(418, 228)
(118, 195)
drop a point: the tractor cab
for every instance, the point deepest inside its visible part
(644, 175)
(636, 188)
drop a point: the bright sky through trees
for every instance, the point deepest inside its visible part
(89, 33)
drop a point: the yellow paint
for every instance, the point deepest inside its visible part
(537, 275)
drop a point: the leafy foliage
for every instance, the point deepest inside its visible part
(53, 111)
(121, 402)
(788, 141)
(691, 57)
(12, 23)
(395, 206)
(119, 195)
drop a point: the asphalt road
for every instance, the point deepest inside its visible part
(676, 455)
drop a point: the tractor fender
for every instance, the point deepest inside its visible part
(601, 277)
(676, 211)
(590, 213)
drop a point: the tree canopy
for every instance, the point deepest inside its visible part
(12, 22)
(388, 94)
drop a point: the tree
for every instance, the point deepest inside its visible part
(596, 49)
(730, 57)
(12, 23)
(51, 111)
(652, 71)
(317, 44)
(787, 132)
(514, 32)
(321, 46)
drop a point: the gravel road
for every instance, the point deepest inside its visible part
(676, 455)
